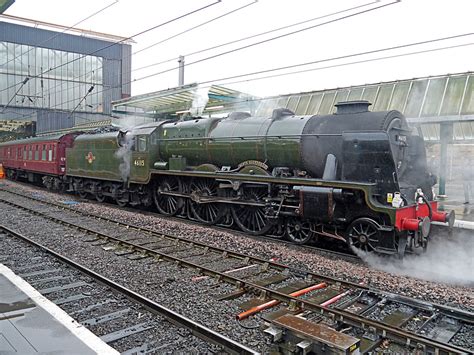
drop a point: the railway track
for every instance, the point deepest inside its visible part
(329, 249)
(369, 316)
(126, 320)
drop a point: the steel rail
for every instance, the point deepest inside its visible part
(450, 311)
(195, 328)
(381, 329)
(269, 237)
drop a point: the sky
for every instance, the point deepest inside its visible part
(397, 23)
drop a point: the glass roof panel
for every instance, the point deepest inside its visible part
(454, 92)
(458, 132)
(434, 97)
(430, 132)
(292, 102)
(468, 129)
(355, 94)
(370, 93)
(302, 105)
(314, 103)
(468, 103)
(282, 102)
(327, 103)
(383, 98)
(266, 107)
(399, 97)
(415, 98)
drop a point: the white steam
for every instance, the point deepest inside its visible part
(124, 153)
(446, 260)
(200, 100)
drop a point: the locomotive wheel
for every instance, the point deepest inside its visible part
(100, 197)
(83, 194)
(209, 213)
(364, 234)
(166, 204)
(278, 231)
(297, 231)
(252, 219)
(120, 202)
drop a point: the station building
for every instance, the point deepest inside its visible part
(54, 77)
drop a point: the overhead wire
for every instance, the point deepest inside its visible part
(257, 43)
(197, 26)
(343, 64)
(271, 39)
(247, 100)
(118, 42)
(60, 82)
(255, 35)
(342, 57)
(316, 69)
(346, 56)
(62, 32)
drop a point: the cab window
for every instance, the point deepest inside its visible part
(142, 143)
(154, 138)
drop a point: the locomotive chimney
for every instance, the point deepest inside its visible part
(347, 107)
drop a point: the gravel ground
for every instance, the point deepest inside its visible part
(162, 335)
(295, 256)
(191, 294)
(160, 281)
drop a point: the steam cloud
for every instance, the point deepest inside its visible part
(125, 154)
(446, 260)
(200, 100)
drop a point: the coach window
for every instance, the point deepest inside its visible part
(30, 153)
(25, 150)
(37, 152)
(19, 152)
(50, 152)
(43, 152)
(54, 152)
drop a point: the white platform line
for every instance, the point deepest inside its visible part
(459, 223)
(81, 332)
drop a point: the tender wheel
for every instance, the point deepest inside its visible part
(209, 213)
(364, 234)
(167, 204)
(297, 231)
(83, 194)
(252, 219)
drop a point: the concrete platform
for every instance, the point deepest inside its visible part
(455, 200)
(30, 323)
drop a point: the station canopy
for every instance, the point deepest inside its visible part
(183, 99)
(426, 102)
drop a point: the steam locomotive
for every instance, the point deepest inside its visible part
(355, 176)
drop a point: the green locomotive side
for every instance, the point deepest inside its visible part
(114, 156)
(93, 156)
(233, 140)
